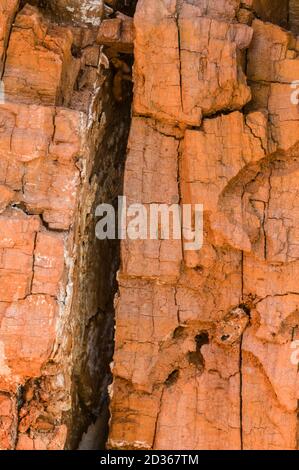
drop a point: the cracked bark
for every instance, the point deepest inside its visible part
(201, 133)
(239, 240)
(58, 281)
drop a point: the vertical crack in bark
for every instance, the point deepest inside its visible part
(158, 416)
(177, 20)
(177, 305)
(266, 214)
(241, 357)
(33, 261)
(179, 158)
(241, 392)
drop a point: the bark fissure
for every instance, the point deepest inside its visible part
(143, 344)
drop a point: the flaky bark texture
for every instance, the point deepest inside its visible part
(203, 353)
(62, 142)
(203, 339)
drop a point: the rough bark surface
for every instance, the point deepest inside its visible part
(203, 339)
(62, 143)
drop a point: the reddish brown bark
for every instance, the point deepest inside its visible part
(203, 339)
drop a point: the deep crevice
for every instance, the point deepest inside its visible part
(101, 266)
